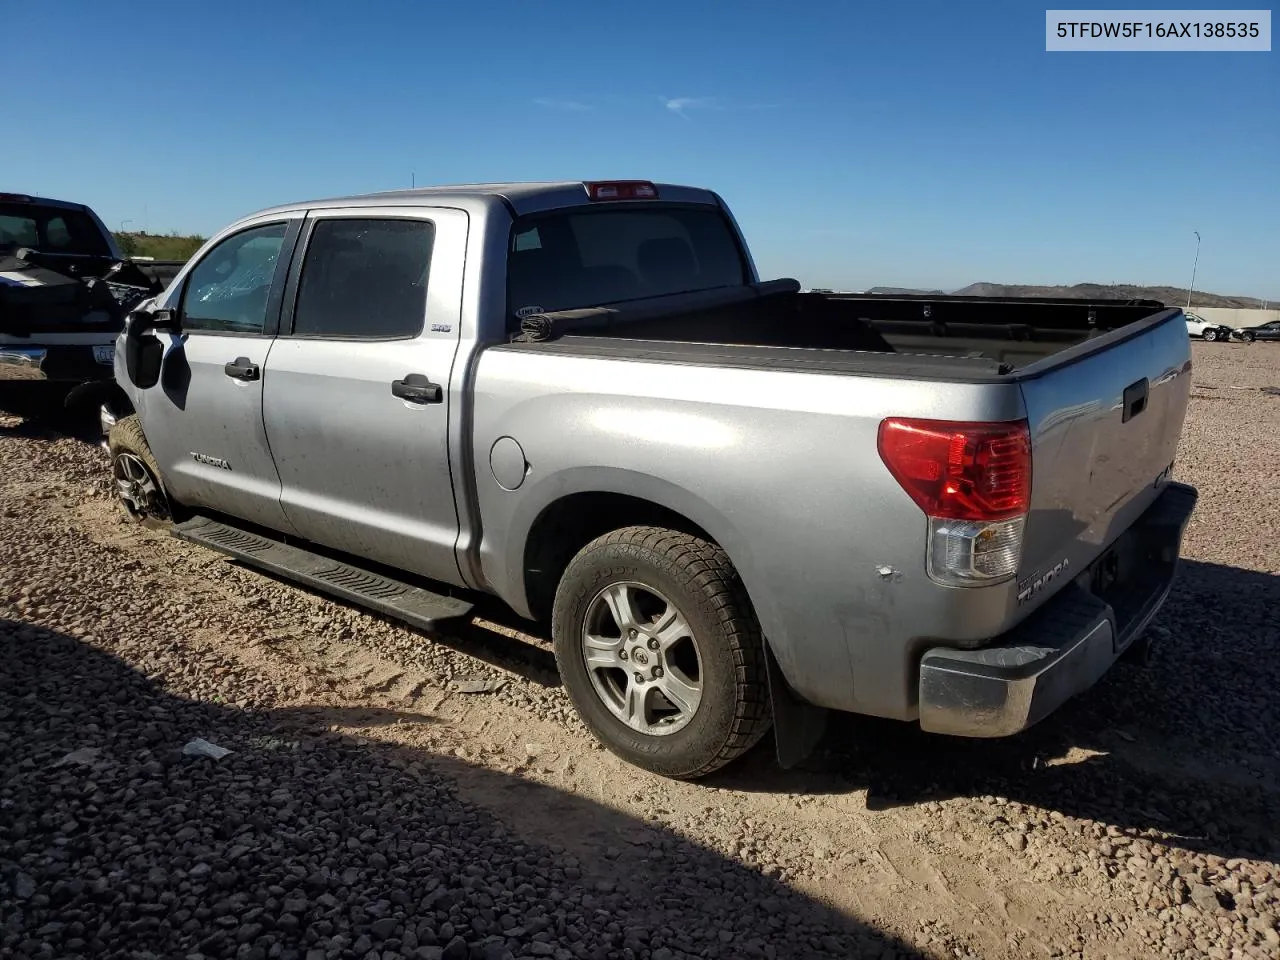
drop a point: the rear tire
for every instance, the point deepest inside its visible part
(686, 625)
(137, 477)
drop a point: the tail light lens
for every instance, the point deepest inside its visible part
(973, 482)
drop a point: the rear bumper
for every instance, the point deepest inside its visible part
(1065, 646)
(65, 363)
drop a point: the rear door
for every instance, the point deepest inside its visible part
(358, 387)
(203, 419)
(1104, 434)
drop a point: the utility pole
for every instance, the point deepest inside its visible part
(1193, 269)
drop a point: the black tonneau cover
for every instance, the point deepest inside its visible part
(539, 327)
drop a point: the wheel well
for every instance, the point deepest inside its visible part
(98, 392)
(569, 524)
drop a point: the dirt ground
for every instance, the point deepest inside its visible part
(1139, 821)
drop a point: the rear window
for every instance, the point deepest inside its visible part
(49, 230)
(365, 279)
(587, 258)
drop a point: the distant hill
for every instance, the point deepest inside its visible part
(906, 291)
(1174, 296)
(161, 247)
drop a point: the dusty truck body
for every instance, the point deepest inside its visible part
(735, 503)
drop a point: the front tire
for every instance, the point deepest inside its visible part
(661, 652)
(137, 477)
(1248, 337)
(1209, 335)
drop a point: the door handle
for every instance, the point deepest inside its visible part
(1135, 400)
(417, 389)
(242, 369)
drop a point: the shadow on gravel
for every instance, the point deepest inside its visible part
(49, 422)
(1185, 745)
(306, 845)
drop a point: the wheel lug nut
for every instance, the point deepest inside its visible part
(622, 654)
(653, 643)
(639, 677)
(657, 673)
(632, 634)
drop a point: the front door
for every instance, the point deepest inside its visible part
(357, 401)
(203, 420)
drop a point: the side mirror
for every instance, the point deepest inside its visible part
(143, 351)
(142, 321)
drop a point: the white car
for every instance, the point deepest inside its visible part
(1199, 327)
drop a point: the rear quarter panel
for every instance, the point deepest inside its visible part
(779, 467)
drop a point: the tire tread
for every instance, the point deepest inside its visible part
(127, 435)
(711, 574)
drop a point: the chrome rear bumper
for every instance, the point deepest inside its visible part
(1063, 648)
(62, 362)
(23, 363)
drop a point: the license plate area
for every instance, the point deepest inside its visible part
(104, 353)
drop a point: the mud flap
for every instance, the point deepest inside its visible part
(797, 724)
(1138, 653)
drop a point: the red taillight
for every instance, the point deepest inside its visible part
(960, 471)
(621, 190)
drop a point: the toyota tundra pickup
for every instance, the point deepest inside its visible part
(737, 505)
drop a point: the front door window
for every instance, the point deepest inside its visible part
(227, 291)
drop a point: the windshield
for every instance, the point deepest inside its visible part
(50, 230)
(586, 257)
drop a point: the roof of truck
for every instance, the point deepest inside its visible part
(7, 197)
(525, 197)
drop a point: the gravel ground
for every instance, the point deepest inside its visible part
(372, 809)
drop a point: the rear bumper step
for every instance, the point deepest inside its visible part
(428, 611)
(1060, 650)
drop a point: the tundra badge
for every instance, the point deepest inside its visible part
(211, 461)
(1032, 585)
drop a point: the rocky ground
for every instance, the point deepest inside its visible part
(372, 807)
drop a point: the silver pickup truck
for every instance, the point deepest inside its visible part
(737, 504)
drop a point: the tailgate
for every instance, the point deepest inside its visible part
(1105, 421)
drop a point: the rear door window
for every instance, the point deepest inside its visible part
(587, 257)
(365, 279)
(50, 230)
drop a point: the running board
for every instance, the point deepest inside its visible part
(421, 608)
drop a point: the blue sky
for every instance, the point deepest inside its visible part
(859, 144)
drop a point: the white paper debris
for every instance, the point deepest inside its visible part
(203, 748)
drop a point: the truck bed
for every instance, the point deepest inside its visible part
(774, 324)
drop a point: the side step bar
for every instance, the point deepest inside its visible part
(421, 608)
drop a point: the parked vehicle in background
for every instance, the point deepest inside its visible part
(1199, 327)
(1264, 331)
(736, 504)
(64, 290)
